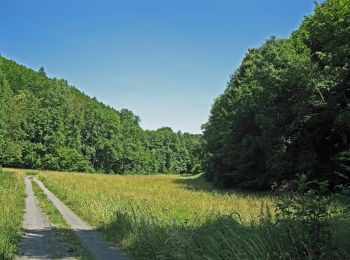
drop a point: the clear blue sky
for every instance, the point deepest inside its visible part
(166, 60)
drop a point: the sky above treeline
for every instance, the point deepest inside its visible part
(166, 60)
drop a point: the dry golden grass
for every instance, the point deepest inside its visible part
(176, 217)
(175, 198)
(157, 216)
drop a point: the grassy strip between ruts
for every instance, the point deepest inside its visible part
(64, 231)
(12, 196)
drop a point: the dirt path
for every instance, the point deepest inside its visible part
(92, 240)
(40, 240)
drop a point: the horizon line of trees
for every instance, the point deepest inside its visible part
(285, 112)
(48, 124)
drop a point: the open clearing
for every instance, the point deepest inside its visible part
(168, 217)
(155, 216)
(163, 216)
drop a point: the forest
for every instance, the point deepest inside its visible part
(47, 124)
(285, 111)
(268, 178)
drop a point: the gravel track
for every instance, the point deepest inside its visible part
(40, 239)
(98, 247)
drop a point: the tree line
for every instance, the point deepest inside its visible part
(47, 124)
(285, 110)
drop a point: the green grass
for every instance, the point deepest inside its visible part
(175, 217)
(66, 234)
(31, 173)
(163, 216)
(12, 196)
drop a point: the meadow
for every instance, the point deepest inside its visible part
(11, 212)
(169, 216)
(172, 217)
(163, 216)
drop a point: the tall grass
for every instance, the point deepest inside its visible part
(11, 213)
(173, 217)
(162, 216)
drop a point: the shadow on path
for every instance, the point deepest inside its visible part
(93, 241)
(44, 244)
(41, 239)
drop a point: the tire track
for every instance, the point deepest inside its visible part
(40, 239)
(92, 240)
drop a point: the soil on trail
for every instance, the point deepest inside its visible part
(41, 240)
(98, 247)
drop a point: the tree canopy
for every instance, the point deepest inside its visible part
(286, 109)
(47, 124)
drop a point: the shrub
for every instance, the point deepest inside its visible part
(305, 214)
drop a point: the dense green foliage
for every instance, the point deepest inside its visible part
(286, 109)
(48, 124)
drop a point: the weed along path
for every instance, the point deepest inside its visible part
(98, 247)
(40, 239)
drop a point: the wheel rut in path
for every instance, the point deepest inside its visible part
(98, 247)
(41, 240)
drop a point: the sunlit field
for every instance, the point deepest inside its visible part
(11, 212)
(176, 217)
(163, 216)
